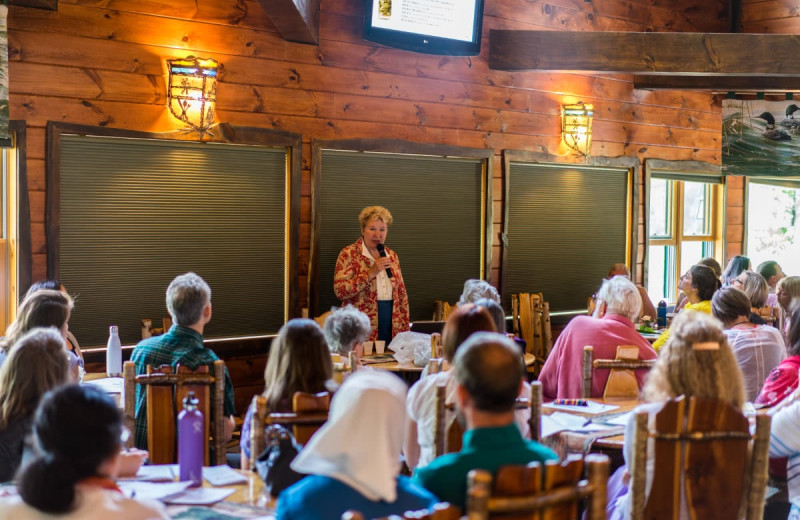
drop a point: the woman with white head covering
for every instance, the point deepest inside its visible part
(353, 461)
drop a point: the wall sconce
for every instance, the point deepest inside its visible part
(192, 92)
(576, 126)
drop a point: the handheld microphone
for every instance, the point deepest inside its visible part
(382, 252)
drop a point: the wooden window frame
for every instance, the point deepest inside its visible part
(393, 146)
(691, 171)
(222, 133)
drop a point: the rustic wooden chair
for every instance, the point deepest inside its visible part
(621, 380)
(705, 457)
(447, 437)
(440, 511)
(341, 369)
(442, 310)
(523, 491)
(165, 393)
(309, 412)
(531, 322)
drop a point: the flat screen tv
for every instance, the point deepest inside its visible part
(450, 27)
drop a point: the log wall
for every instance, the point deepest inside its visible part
(102, 62)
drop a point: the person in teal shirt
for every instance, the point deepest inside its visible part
(489, 374)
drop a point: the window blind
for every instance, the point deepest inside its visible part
(438, 206)
(565, 226)
(134, 213)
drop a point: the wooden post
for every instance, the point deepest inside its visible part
(536, 411)
(588, 358)
(218, 415)
(439, 423)
(597, 469)
(129, 401)
(479, 484)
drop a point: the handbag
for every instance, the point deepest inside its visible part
(274, 463)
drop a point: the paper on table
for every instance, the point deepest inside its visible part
(151, 490)
(592, 408)
(223, 476)
(109, 385)
(200, 496)
(560, 421)
(220, 511)
(157, 473)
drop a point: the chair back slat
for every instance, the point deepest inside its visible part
(621, 382)
(692, 439)
(309, 413)
(165, 390)
(529, 492)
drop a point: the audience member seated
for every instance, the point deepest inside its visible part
(787, 291)
(78, 432)
(298, 361)
(648, 309)
(782, 380)
(708, 262)
(737, 265)
(475, 289)
(696, 362)
(784, 442)
(758, 348)
(489, 376)
(345, 331)
(421, 402)
(773, 274)
(189, 305)
(755, 287)
(43, 308)
(37, 363)
(55, 285)
(698, 284)
(353, 461)
(618, 303)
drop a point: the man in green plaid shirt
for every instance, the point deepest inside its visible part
(189, 304)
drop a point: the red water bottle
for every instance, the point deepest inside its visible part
(191, 431)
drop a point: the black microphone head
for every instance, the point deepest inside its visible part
(380, 247)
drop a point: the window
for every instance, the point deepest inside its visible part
(8, 236)
(773, 223)
(565, 225)
(683, 223)
(128, 212)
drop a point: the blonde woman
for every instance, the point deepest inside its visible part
(45, 308)
(786, 291)
(362, 277)
(696, 362)
(37, 363)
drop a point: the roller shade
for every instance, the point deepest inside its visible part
(438, 205)
(566, 225)
(134, 213)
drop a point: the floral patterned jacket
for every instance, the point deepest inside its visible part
(352, 285)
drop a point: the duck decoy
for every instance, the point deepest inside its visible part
(770, 132)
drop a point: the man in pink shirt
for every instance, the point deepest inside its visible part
(618, 304)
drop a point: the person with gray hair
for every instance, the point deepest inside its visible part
(647, 307)
(618, 304)
(475, 289)
(189, 304)
(345, 330)
(489, 375)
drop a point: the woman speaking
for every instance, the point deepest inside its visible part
(368, 276)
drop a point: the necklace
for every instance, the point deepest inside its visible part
(746, 321)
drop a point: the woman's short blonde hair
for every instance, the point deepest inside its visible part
(790, 285)
(374, 212)
(682, 369)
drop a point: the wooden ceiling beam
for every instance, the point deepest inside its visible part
(714, 54)
(780, 84)
(48, 5)
(296, 20)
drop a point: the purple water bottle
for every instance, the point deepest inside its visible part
(191, 430)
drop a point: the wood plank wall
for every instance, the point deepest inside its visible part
(102, 62)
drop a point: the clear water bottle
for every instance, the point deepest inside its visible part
(113, 353)
(191, 431)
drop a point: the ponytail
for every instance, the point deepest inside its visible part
(48, 484)
(77, 429)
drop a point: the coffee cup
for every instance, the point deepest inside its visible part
(380, 346)
(368, 348)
